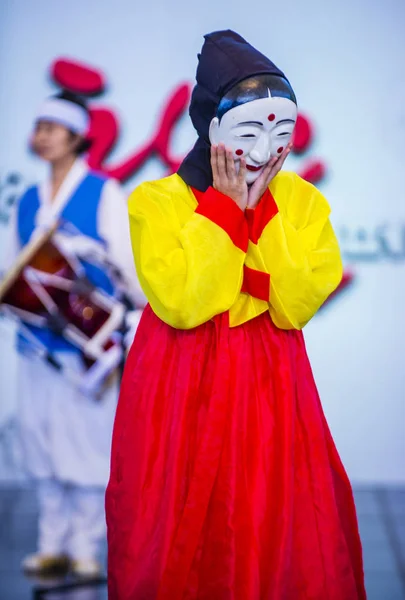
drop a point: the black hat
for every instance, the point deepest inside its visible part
(226, 59)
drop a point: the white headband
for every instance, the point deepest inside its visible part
(65, 113)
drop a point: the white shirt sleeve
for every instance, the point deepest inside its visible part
(12, 243)
(113, 227)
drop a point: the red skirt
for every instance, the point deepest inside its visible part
(225, 481)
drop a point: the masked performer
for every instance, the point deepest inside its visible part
(65, 434)
(225, 482)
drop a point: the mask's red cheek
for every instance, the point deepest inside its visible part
(279, 150)
(239, 152)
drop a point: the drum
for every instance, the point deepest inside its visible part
(47, 288)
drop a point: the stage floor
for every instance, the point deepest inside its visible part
(381, 513)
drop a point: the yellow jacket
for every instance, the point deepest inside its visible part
(198, 258)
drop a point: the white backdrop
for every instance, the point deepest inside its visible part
(345, 61)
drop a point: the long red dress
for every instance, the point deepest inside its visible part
(225, 481)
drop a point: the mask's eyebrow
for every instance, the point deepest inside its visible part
(285, 121)
(251, 123)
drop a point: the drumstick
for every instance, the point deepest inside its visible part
(23, 259)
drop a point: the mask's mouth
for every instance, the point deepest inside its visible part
(252, 168)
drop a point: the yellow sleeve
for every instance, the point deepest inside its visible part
(189, 257)
(299, 250)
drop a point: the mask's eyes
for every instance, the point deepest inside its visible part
(284, 128)
(245, 132)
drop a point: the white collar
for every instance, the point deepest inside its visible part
(74, 177)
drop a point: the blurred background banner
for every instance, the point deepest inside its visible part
(136, 61)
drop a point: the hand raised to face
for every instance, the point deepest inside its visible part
(226, 179)
(256, 131)
(257, 189)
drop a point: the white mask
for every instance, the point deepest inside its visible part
(256, 131)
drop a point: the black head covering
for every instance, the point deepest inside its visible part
(225, 60)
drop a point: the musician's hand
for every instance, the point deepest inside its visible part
(225, 178)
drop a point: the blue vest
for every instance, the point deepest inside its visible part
(80, 211)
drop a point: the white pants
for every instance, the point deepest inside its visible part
(71, 519)
(65, 438)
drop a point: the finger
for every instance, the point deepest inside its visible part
(230, 165)
(214, 163)
(283, 157)
(221, 162)
(270, 166)
(242, 171)
(271, 170)
(272, 162)
(286, 152)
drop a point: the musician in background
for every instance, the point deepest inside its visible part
(65, 434)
